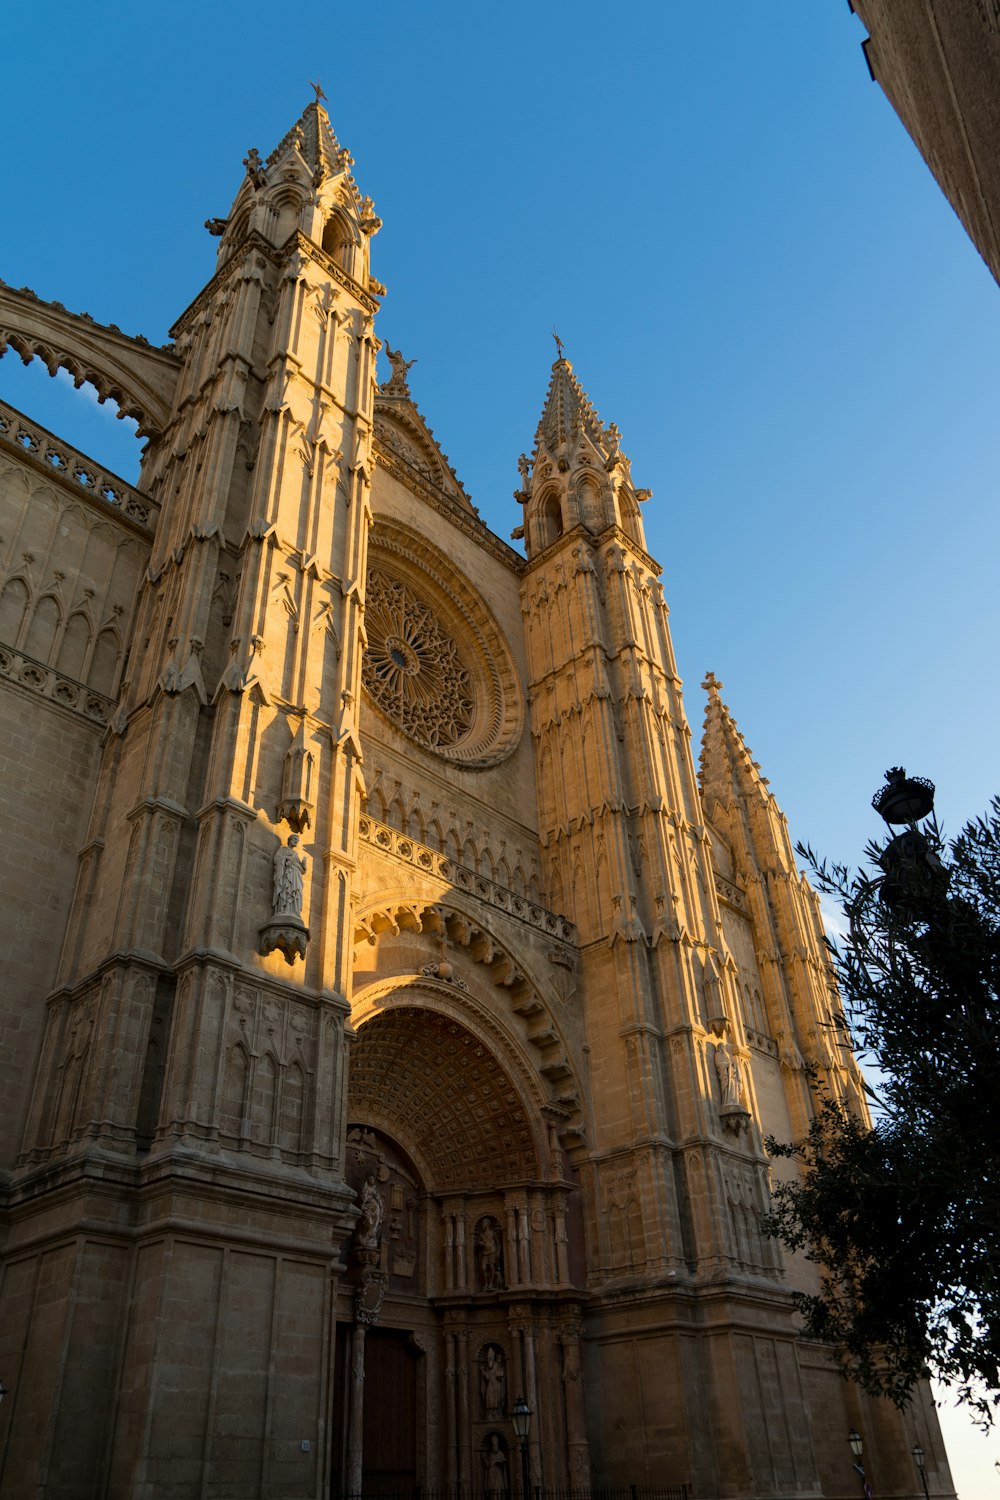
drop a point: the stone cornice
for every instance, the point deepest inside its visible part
(55, 688)
(581, 534)
(277, 256)
(429, 861)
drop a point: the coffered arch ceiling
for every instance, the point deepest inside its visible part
(430, 1082)
(518, 1023)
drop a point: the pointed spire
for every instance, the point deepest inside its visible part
(312, 147)
(312, 135)
(726, 766)
(568, 412)
(578, 475)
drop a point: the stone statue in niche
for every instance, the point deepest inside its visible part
(286, 930)
(495, 1464)
(493, 1383)
(730, 1078)
(289, 868)
(490, 1256)
(367, 1231)
(734, 1111)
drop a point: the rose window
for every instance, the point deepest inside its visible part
(412, 666)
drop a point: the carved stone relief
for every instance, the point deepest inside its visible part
(489, 1248)
(386, 1235)
(493, 1382)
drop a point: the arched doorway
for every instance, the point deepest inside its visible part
(461, 1299)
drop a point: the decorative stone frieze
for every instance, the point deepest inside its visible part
(64, 691)
(430, 861)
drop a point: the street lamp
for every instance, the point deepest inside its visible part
(918, 1459)
(521, 1415)
(857, 1448)
(912, 868)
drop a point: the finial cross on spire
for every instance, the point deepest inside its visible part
(559, 344)
(318, 89)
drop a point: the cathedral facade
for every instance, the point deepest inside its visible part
(395, 1011)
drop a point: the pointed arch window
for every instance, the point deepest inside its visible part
(13, 606)
(74, 646)
(550, 521)
(338, 242)
(42, 631)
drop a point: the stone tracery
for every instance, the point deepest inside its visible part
(413, 668)
(437, 663)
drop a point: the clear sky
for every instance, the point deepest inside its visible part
(752, 270)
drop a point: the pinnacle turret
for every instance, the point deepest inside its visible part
(726, 765)
(578, 475)
(568, 412)
(312, 135)
(305, 185)
(736, 795)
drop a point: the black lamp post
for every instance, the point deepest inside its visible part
(857, 1448)
(521, 1415)
(912, 867)
(918, 1459)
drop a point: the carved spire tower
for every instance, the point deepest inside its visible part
(235, 735)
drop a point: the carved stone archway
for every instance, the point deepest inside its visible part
(438, 1076)
(523, 1025)
(428, 1080)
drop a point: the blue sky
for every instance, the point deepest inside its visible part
(751, 267)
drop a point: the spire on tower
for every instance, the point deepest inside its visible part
(313, 137)
(305, 185)
(568, 410)
(726, 766)
(579, 475)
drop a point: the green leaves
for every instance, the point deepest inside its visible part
(903, 1217)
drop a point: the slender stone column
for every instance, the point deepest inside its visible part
(451, 1417)
(562, 1243)
(577, 1447)
(523, 1246)
(367, 1306)
(462, 1278)
(356, 1413)
(464, 1430)
(538, 1257)
(512, 1274)
(449, 1252)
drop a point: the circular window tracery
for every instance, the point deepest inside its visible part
(436, 663)
(413, 668)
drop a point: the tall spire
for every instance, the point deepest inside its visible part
(578, 474)
(304, 186)
(568, 412)
(313, 136)
(726, 766)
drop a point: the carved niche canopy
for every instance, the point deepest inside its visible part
(436, 663)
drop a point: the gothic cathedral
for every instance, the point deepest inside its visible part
(394, 1012)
